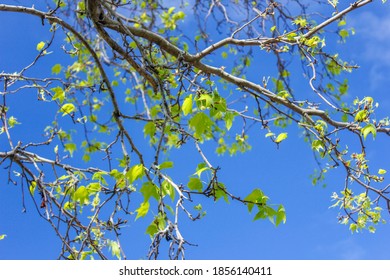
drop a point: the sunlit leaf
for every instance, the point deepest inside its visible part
(67, 109)
(187, 105)
(361, 116)
(56, 69)
(70, 147)
(148, 190)
(256, 197)
(81, 195)
(143, 210)
(135, 172)
(166, 164)
(195, 184)
(382, 171)
(115, 249)
(370, 128)
(40, 45)
(281, 137)
(280, 216)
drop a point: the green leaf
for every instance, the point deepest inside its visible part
(300, 21)
(70, 147)
(229, 117)
(99, 177)
(67, 108)
(317, 145)
(206, 101)
(344, 33)
(187, 105)
(370, 128)
(371, 229)
(152, 229)
(86, 157)
(195, 184)
(136, 172)
(166, 164)
(342, 22)
(93, 188)
(353, 227)
(12, 121)
(361, 116)
(382, 171)
(202, 167)
(81, 195)
(281, 137)
(114, 248)
(142, 210)
(3, 236)
(220, 191)
(148, 190)
(201, 123)
(255, 197)
(168, 189)
(56, 69)
(33, 187)
(59, 94)
(40, 45)
(150, 129)
(198, 207)
(280, 215)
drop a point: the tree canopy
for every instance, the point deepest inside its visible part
(194, 79)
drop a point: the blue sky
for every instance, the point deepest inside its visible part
(227, 231)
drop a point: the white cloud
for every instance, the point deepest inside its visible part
(372, 33)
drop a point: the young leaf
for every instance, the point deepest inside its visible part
(3, 236)
(168, 189)
(166, 164)
(220, 191)
(150, 129)
(195, 184)
(56, 69)
(281, 137)
(187, 105)
(317, 145)
(33, 187)
(40, 46)
(382, 171)
(81, 195)
(114, 248)
(370, 128)
(152, 229)
(148, 190)
(59, 94)
(202, 167)
(136, 172)
(70, 147)
(361, 116)
(12, 121)
(280, 215)
(229, 117)
(142, 210)
(67, 108)
(353, 227)
(255, 197)
(201, 124)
